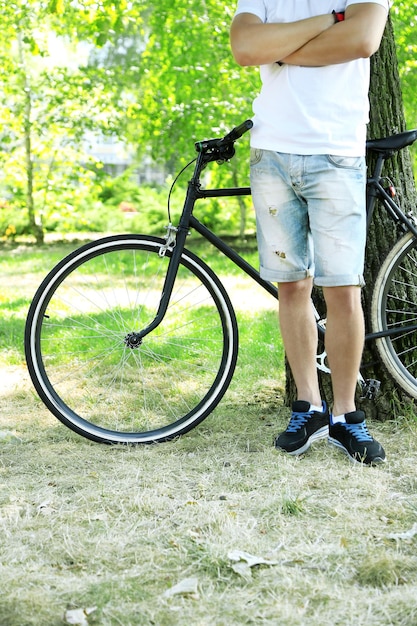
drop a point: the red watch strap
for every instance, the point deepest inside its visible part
(339, 17)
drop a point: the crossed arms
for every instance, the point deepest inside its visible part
(313, 42)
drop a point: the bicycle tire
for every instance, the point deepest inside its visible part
(82, 367)
(393, 304)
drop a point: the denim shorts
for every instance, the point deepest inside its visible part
(311, 217)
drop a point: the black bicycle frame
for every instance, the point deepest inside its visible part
(375, 191)
(187, 221)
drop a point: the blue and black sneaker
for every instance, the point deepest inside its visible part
(353, 439)
(304, 427)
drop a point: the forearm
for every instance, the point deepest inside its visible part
(357, 37)
(330, 48)
(256, 43)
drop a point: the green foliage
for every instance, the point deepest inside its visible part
(404, 14)
(194, 89)
(145, 207)
(156, 76)
(139, 208)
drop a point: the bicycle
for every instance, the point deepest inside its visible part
(134, 339)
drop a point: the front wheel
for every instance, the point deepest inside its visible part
(394, 308)
(104, 386)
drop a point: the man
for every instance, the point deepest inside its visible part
(308, 181)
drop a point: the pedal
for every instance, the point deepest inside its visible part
(370, 389)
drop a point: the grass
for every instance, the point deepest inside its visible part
(115, 529)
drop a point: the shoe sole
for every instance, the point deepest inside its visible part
(319, 434)
(336, 443)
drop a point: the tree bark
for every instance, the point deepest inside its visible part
(386, 118)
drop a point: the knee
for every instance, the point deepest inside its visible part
(343, 299)
(295, 291)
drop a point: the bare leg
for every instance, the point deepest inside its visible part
(299, 334)
(344, 343)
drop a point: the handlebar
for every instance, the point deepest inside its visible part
(226, 142)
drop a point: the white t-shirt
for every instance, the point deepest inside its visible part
(310, 110)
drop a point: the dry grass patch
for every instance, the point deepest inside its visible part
(116, 528)
(149, 535)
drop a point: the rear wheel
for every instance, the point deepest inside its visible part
(96, 380)
(394, 307)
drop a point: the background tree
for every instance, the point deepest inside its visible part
(51, 95)
(387, 118)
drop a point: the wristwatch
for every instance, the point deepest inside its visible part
(338, 17)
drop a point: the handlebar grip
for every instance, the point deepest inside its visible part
(238, 131)
(225, 142)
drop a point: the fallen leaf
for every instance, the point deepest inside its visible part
(188, 586)
(8, 437)
(243, 569)
(251, 560)
(243, 562)
(45, 508)
(78, 617)
(408, 534)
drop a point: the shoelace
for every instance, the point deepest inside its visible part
(297, 421)
(359, 431)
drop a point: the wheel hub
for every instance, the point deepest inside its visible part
(133, 340)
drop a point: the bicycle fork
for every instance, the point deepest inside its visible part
(174, 244)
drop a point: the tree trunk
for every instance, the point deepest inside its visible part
(35, 228)
(386, 118)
